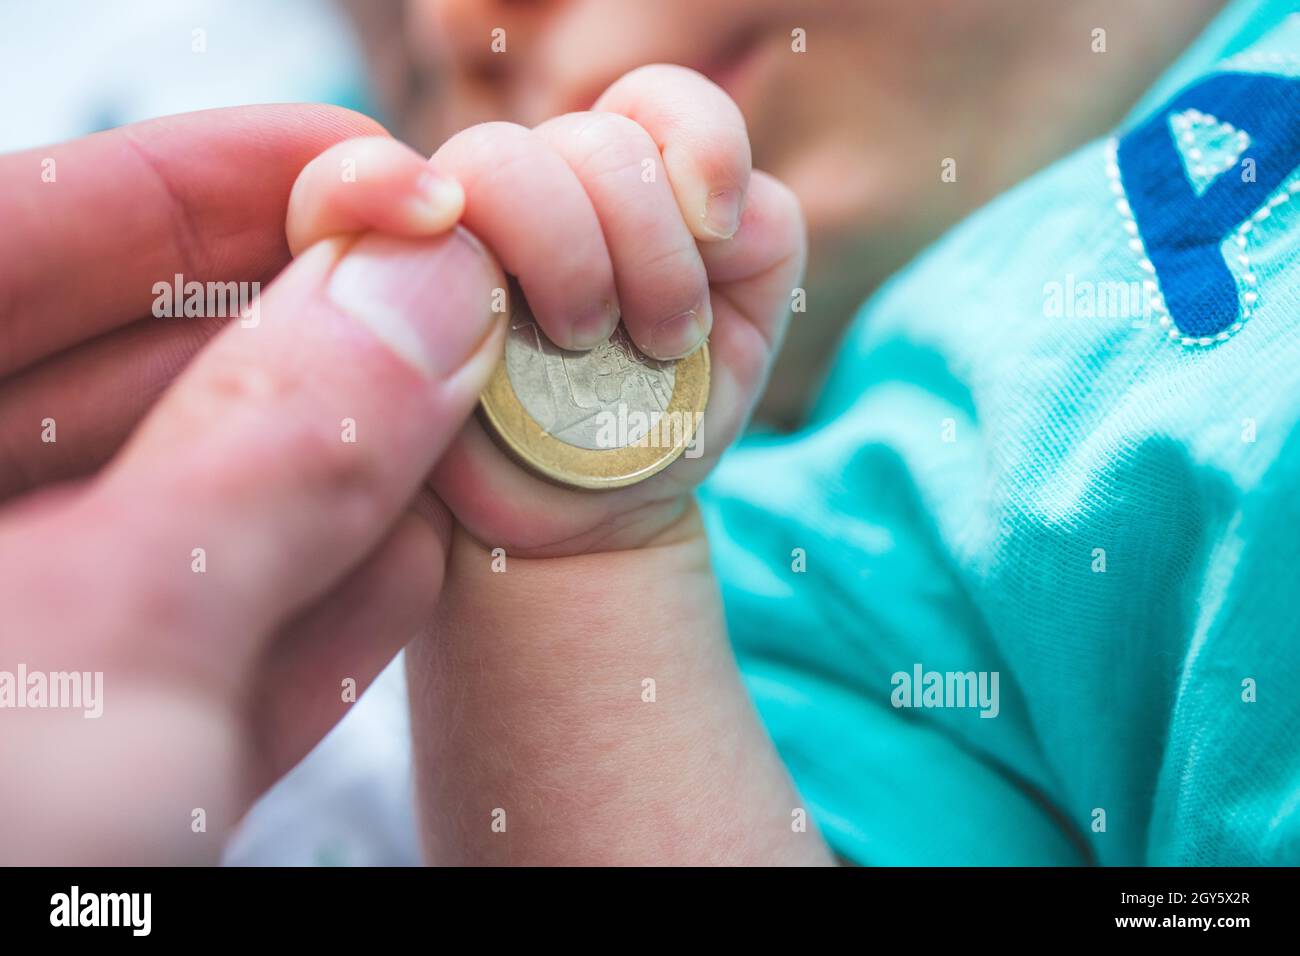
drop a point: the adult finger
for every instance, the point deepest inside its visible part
(287, 450)
(91, 225)
(324, 659)
(68, 415)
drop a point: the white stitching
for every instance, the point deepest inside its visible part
(1186, 124)
(1151, 286)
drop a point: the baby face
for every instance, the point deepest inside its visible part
(797, 69)
(855, 104)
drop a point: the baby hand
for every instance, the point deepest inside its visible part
(644, 210)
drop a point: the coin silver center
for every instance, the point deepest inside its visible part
(584, 398)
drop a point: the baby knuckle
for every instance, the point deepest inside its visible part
(603, 145)
(486, 142)
(725, 155)
(674, 268)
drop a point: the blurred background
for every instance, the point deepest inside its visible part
(73, 67)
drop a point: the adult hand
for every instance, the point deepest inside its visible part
(260, 545)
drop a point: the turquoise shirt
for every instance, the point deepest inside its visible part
(1060, 451)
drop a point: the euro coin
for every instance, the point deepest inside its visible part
(605, 418)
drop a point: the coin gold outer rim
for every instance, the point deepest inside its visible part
(590, 468)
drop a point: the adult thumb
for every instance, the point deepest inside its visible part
(294, 441)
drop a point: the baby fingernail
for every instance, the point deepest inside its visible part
(677, 335)
(591, 329)
(722, 213)
(437, 203)
(426, 299)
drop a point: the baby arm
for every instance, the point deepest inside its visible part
(587, 710)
